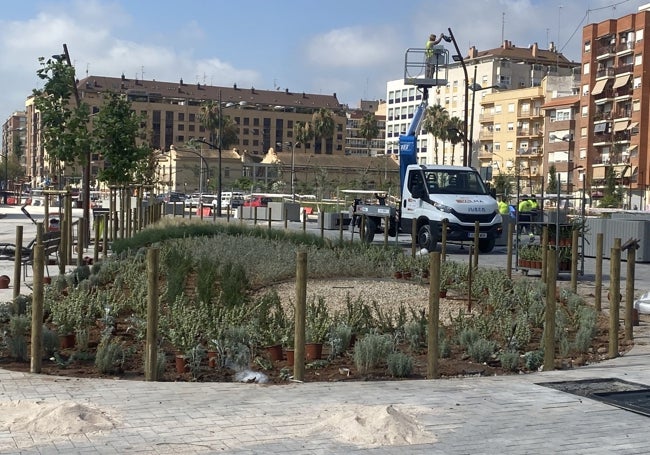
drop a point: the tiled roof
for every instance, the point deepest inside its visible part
(561, 101)
(237, 95)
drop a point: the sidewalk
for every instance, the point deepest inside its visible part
(489, 415)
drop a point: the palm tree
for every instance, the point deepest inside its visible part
(434, 120)
(455, 123)
(324, 125)
(303, 132)
(368, 128)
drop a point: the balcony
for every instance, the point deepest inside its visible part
(605, 72)
(531, 151)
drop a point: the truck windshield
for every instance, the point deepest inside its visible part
(454, 181)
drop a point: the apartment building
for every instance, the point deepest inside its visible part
(503, 68)
(355, 143)
(13, 145)
(614, 111)
(264, 118)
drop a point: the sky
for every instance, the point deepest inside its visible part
(347, 47)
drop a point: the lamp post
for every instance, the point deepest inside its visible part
(458, 57)
(211, 145)
(200, 155)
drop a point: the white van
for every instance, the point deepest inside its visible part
(230, 200)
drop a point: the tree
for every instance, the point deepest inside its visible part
(435, 120)
(115, 134)
(323, 125)
(369, 129)
(455, 123)
(303, 132)
(552, 180)
(612, 197)
(64, 125)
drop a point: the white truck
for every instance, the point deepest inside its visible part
(433, 193)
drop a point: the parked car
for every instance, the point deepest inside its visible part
(193, 200)
(172, 197)
(257, 201)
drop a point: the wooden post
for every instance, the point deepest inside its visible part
(96, 225)
(362, 229)
(46, 207)
(81, 229)
(443, 240)
(37, 310)
(549, 322)
(151, 347)
(63, 257)
(255, 215)
(286, 218)
(477, 233)
(574, 261)
(340, 227)
(629, 290)
(122, 212)
(434, 316)
(270, 218)
(545, 253)
(509, 251)
(614, 297)
(18, 261)
(469, 280)
(599, 272)
(386, 225)
(304, 221)
(414, 236)
(105, 217)
(322, 224)
(301, 312)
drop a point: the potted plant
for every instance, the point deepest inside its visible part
(317, 326)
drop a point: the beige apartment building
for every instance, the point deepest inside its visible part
(265, 119)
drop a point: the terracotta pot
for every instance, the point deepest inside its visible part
(47, 280)
(212, 359)
(274, 352)
(398, 275)
(181, 364)
(443, 293)
(67, 341)
(4, 282)
(290, 357)
(406, 275)
(313, 351)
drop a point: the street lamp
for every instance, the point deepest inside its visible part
(211, 145)
(200, 155)
(293, 167)
(458, 57)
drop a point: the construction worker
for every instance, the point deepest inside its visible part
(504, 209)
(525, 216)
(431, 66)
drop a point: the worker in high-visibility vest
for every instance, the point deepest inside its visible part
(504, 209)
(524, 210)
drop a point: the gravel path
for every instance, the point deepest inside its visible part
(388, 293)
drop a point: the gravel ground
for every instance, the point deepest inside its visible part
(388, 293)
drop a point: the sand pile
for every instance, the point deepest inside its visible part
(53, 418)
(373, 426)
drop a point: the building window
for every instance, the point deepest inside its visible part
(583, 131)
(256, 122)
(509, 145)
(639, 35)
(585, 111)
(192, 117)
(247, 121)
(190, 127)
(511, 126)
(497, 109)
(585, 68)
(638, 59)
(585, 90)
(497, 127)
(497, 146)
(181, 127)
(637, 82)
(636, 105)
(587, 46)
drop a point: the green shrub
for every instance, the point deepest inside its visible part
(468, 337)
(509, 360)
(481, 350)
(534, 359)
(371, 350)
(400, 365)
(339, 339)
(415, 334)
(234, 284)
(51, 341)
(21, 304)
(444, 348)
(110, 356)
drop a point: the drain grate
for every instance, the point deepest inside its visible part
(616, 392)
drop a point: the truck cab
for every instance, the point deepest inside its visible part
(433, 193)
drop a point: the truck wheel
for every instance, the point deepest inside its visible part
(426, 238)
(371, 228)
(486, 245)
